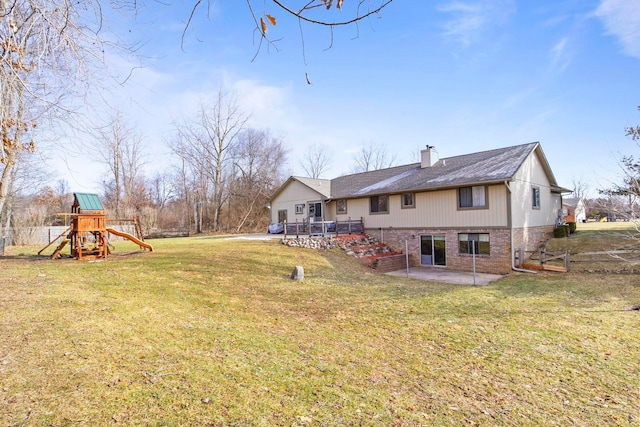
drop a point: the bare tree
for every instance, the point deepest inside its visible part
(120, 149)
(258, 163)
(45, 46)
(626, 195)
(191, 189)
(580, 188)
(633, 132)
(204, 144)
(163, 188)
(28, 176)
(372, 157)
(316, 161)
(32, 217)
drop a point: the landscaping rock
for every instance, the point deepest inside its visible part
(362, 246)
(298, 273)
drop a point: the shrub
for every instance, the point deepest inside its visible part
(561, 231)
(572, 227)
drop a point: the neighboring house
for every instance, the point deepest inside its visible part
(574, 210)
(488, 204)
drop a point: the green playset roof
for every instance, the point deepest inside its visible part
(88, 202)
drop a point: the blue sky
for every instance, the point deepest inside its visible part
(463, 76)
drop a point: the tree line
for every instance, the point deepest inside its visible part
(52, 54)
(221, 179)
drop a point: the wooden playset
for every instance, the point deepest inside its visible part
(88, 232)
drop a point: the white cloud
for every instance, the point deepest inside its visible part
(621, 19)
(560, 56)
(472, 17)
(270, 106)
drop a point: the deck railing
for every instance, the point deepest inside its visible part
(323, 228)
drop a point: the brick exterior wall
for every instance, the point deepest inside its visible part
(389, 263)
(498, 262)
(531, 238)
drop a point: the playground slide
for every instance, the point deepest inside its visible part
(130, 237)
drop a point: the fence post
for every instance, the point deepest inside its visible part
(567, 260)
(473, 255)
(406, 251)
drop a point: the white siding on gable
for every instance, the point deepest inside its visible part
(294, 193)
(581, 212)
(531, 174)
(433, 209)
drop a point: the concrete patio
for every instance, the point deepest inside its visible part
(446, 276)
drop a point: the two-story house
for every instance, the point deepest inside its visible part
(451, 213)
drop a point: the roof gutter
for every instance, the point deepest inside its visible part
(513, 254)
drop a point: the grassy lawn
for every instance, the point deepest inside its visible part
(210, 331)
(601, 247)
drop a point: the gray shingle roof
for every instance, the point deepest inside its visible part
(571, 201)
(322, 186)
(476, 168)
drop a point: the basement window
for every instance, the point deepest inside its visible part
(474, 243)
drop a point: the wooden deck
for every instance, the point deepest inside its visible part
(323, 228)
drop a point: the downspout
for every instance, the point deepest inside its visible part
(510, 225)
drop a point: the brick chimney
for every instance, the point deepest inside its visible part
(428, 157)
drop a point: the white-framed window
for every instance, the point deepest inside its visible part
(408, 200)
(379, 204)
(472, 197)
(474, 243)
(341, 206)
(535, 197)
(300, 209)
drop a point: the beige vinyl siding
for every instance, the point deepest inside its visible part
(531, 174)
(330, 210)
(293, 194)
(433, 209)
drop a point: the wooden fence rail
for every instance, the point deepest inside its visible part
(545, 257)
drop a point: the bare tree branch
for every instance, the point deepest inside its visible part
(300, 14)
(316, 161)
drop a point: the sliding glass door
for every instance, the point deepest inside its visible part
(433, 250)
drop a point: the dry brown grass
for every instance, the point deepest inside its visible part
(210, 331)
